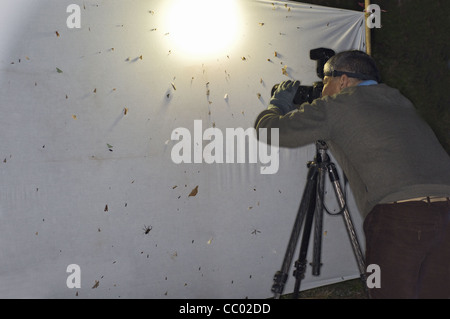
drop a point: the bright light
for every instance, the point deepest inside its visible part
(203, 28)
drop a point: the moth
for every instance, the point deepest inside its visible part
(147, 229)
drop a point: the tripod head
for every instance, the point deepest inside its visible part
(321, 152)
(321, 145)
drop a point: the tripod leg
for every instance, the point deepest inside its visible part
(300, 264)
(318, 221)
(348, 222)
(281, 276)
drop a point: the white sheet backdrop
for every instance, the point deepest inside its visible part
(68, 151)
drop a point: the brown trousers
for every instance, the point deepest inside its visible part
(410, 242)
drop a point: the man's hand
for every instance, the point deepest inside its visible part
(283, 98)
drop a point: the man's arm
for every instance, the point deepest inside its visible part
(301, 125)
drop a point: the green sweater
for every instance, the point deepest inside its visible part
(387, 152)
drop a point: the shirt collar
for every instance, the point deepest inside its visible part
(368, 82)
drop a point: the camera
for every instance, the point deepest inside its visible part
(310, 93)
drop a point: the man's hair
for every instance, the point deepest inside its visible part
(356, 62)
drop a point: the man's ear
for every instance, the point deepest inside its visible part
(344, 81)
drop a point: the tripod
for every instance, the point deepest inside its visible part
(311, 207)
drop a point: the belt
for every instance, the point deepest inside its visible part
(427, 199)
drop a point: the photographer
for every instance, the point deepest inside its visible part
(396, 168)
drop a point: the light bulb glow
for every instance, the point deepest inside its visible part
(200, 28)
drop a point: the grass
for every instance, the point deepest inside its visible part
(350, 289)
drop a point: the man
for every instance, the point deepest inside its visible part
(397, 170)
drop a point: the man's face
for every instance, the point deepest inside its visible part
(331, 85)
(334, 85)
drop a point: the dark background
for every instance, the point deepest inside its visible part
(412, 51)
